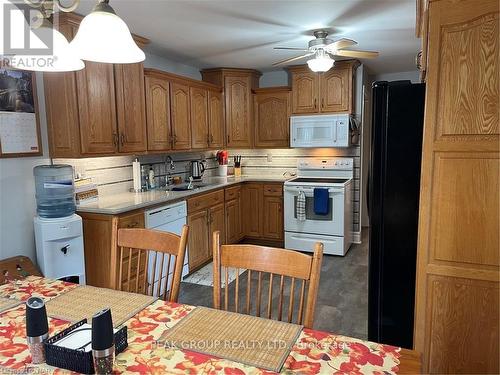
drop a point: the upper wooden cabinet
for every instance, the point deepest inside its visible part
(199, 117)
(328, 92)
(98, 110)
(182, 113)
(272, 117)
(238, 112)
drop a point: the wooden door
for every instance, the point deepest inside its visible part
(305, 92)
(217, 223)
(252, 208)
(233, 221)
(237, 92)
(158, 114)
(199, 117)
(272, 119)
(131, 107)
(198, 239)
(97, 108)
(336, 90)
(457, 295)
(215, 120)
(181, 124)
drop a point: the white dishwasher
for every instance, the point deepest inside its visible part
(169, 218)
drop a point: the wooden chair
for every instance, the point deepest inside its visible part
(17, 268)
(136, 249)
(280, 262)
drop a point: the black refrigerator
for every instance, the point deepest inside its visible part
(393, 196)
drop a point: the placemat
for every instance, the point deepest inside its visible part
(241, 338)
(85, 301)
(7, 303)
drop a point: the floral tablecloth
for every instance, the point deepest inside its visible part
(314, 352)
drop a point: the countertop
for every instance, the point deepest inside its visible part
(123, 202)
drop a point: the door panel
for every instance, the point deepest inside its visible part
(215, 120)
(97, 108)
(272, 119)
(199, 117)
(217, 223)
(238, 111)
(198, 238)
(130, 105)
(273, 218)
(252, 207)
(158, 114)
(233, 221)
(305, 91)
(181, 124)
(336, 92)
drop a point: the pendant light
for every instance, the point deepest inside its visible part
(104, 37)
(62, 58)
(322, 62)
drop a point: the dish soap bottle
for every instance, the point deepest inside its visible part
(151, 178)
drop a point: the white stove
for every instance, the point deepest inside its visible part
(334, 228)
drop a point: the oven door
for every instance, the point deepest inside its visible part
(331, 224)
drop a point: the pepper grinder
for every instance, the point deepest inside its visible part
(37, 328)
(103, 348)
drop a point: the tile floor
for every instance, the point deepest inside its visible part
(342, 304)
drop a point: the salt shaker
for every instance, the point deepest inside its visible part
(37, 328)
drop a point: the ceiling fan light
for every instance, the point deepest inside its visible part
(105, 37)
(62, 58)
(320, 63)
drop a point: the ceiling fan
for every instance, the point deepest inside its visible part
(323, 48)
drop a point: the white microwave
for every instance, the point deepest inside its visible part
(320, 131)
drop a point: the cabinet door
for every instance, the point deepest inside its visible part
(97, 108)
(252, 207)
(181, 127)
(198, 238)
(272, 119)
(199, 117)
(273, 218)
(217, 223)
(130, 107)
(233, 221)
(215, 120)
(305, 91)
(238, 111)
(336, 90)
(158, 114)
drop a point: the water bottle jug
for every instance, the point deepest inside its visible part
(55, 191)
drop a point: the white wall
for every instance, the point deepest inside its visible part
(413, 75)
(17, 190)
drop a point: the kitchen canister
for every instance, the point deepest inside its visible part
(222, 170)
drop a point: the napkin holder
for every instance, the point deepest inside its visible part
(77, 360)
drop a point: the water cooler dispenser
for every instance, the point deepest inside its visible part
(58, 230)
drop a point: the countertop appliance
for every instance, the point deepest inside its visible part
(334, 229)
(169, 218)
(59, 248)
(320, 131)
(197, 169)
(393, 196)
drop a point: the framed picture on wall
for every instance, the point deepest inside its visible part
(19, 118)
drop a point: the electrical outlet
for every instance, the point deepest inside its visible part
(269, 158)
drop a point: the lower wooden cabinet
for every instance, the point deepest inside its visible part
(198, 250)
(234, 228)
(273, 218)
(252, 207)
(217, 222)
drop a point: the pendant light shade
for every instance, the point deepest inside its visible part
(322, 62)
(62, 58)
(104, 37)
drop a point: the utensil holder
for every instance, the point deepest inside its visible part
(222, 171)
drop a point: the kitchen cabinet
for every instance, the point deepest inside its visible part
(457, 284)
(215, 120)
(199, 117)
(158, 114)
(328, 92)
(234, 229)
(238, 112)
(272, 117)
(98, 110)
(272, 212)
(181, 113)
(252, 207)
(217, 222)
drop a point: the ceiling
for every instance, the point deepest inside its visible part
(242, 33)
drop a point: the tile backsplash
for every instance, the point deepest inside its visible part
(114, 174)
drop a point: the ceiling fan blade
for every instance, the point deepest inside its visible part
(292, 48)
(357, 54)
(293, 59)
(341, 43)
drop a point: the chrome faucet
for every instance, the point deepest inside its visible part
(169, 167)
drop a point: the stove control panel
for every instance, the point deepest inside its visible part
(327, 164)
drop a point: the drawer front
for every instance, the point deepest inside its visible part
(205, 201)
(233, 193)
(132, 221)
(273, 190)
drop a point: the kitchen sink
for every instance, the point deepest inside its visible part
(185, 187)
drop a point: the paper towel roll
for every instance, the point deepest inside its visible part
(136, 170)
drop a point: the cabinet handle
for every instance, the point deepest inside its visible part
(133, 225)
(228, 138)
(315, 103)
(122, 139)
(322, 102)
(211, 138)
(115, 139)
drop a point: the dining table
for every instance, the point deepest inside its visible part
(314, 352)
